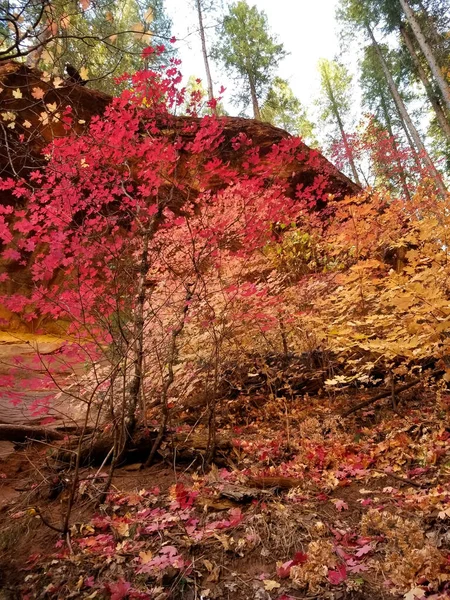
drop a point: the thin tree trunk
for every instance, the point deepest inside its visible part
(409, 139)
(168, 380)
(138, 341)
(433, 34)
(348, 150)
(34, 57)
(427, 51)
(401, 170)
(256, 110)
(212, 403)
(205, 53)
(405, 116)
(434, 100)
(136, 382)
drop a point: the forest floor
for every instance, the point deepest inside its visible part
(304, 505)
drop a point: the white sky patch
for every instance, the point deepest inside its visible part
(307, 28)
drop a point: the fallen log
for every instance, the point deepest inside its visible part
(281, 483)
(403, 480)
(240, 493)
(96, 447)
(24, 433)
(380, 396)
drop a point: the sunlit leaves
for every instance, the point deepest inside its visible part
(138, 30)
(149, 16)
(58, 82)
(65, 21)
(10, 118)
(84, 73)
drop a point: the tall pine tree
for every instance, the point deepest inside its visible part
(249, 53)
(334, 103)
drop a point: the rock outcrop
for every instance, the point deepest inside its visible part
(31, 106)
(32, 109)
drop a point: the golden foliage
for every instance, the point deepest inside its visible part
(313, 573)
(408, 556)
(382, 288)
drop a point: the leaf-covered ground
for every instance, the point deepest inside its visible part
(306, 505)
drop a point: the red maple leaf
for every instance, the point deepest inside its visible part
(284, 570)
(340, 505)
(364, 550)
(119, 590)
(337, 575)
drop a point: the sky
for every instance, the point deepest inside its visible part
(307, 28)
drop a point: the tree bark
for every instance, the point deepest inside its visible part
(427, 51)
(409, 139)
(35, 56)
(24, 433)
(380, 396)
(401, 170)
(168, 380)
(405, 115)
(136, 382)
(432, 97)
(256, 110)
(139, 322)
(337, 116)
(205, 53)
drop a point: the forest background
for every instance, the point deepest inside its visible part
(294, 92)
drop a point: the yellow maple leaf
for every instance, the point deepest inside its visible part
(138, 30)
(9, 116)
(145, 557)
(17, 94)
(58, 82)
(270, 584)
(38, 93)
(65, 21)
(123, 529)
(148, 17)
(43, 118)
